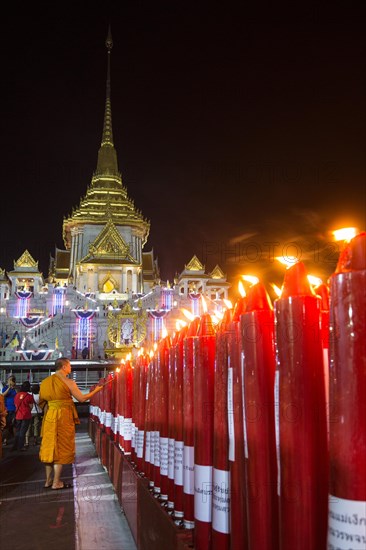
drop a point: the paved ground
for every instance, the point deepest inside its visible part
(85, 517)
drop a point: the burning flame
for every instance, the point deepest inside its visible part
(164, 332)
(288, 261)
(128, 357)
(187, 314)
(344, 234)
(250, 279)
(151, 354)
(204, 304)
(316, 281)
(215, 320)
(155, 346)
(180, 324)
(228, 304)
(219, 315)
(241, 289)
(118, 369)
(277, 290)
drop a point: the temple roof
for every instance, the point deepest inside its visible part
(106, 195)
(109, 247)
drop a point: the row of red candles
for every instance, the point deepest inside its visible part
(233, 427)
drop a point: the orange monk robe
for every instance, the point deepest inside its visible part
(3, 414)
(58, 426)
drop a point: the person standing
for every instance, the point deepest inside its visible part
(3, 414)
(58, 426)
(23, 402)
(34, 426)
(9, 392)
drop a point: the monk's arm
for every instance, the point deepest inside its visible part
(75, 392)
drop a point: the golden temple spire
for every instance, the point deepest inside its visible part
(107, 156)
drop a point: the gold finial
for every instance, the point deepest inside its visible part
(109, 40)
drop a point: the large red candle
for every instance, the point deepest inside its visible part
(144, 361)
(347, 381)
(135, 410)
(301, 415)
(257, 325)
(221, 478)
(146, 463)
(203, 431)
(163, 412)
(323, 292)
(122, 402)
(127, 425)
(113, 406)
(178, 425)
(188, 414)
(171, 421)
(237, 441)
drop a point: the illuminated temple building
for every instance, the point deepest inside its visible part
(103, 293)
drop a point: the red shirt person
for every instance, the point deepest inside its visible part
(23, 402)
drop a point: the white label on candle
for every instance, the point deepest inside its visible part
(277, 428)
(121, 419)
(152, 447)
(133, 435)
(127, 429)
(115, 424)
(171, 458)
(347, 524)
(98, 413)
(221, 501)
(157, 449)
(203, 492)
(140, 444)
(178, 462)
(188, 470)
(147, 447)
(246, 454)
(147, 390)
(163, 456)
(102, 418)
(108, 420)
(230, 413)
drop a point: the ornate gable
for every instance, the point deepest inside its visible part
(25, 260)
(194, 265)
(108, 245)
(217, 273)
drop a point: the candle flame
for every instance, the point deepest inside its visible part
(118, 369)
(215, 320)
(187, 314)
(228, 303)
(241, 289)
(164, 332)
(277, 289)
(155, 346)
(128, 357)
(288, 261)
(250, 279)
(151, 354)
(344, 234)
(180, 324)
(204, 304)
(316, 281)
(218, 314)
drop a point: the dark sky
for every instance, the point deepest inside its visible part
(234, 128)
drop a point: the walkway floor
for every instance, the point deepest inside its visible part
(86, 517)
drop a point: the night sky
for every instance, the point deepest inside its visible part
(238, 132)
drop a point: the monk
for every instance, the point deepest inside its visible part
(60, 417)
(3, 414)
